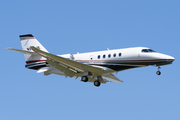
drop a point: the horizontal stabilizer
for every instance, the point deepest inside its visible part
(22, 51)
(44, 69)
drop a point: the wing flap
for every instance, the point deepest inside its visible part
(62, 68)
(46, 73)
(69, 72)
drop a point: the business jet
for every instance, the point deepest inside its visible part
(97, 67)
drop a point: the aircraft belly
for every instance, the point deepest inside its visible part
(164, 62)
(129, 64)
(119, 67)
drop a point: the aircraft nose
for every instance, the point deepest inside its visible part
(169, 58)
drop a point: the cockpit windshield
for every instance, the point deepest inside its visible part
(147, 50)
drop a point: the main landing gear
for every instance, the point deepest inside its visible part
(158, 72)
(97, 83)
(84, 78)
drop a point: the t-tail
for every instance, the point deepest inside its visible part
(33, 60)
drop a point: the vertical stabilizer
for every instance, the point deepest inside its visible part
(27, 41)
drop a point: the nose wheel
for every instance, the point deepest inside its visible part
(158, 72)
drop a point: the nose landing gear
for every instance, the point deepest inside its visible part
(158, 72)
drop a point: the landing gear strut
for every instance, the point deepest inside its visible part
(97, 83)
(158, 72)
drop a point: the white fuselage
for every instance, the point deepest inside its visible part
(120, 59)
(133, 56)
(114, 60)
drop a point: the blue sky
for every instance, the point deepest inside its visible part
(85, 26)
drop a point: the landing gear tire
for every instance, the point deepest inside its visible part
(97, 83)
(158, 73)
(84, 78)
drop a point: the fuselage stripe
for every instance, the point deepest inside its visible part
(27, 38)
(32, 61)
(158, 60)
(119, 61)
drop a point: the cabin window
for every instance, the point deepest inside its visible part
(104, 56)
(99, 56)
(119, 54)
(109, 55)
(114, 55)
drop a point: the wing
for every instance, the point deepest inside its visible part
(69, 67)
